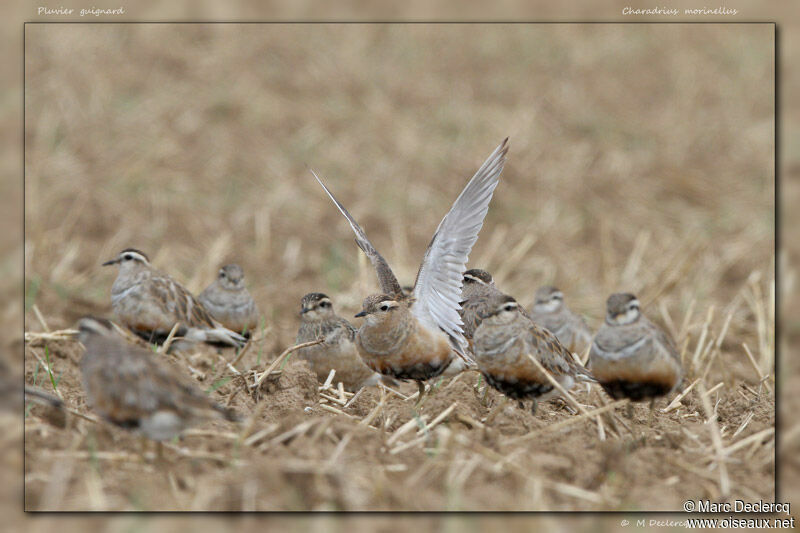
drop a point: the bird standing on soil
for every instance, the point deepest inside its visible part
(130, 388)
(416, 337)
(504, 344)
(550, 312)
(318, 320)
(631, 357)
(476, 294)
(228, 301)
(150, 303)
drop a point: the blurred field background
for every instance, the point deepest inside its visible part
(641, 159)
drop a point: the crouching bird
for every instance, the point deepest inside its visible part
(129, 387)
(631, 357)
(506, 342)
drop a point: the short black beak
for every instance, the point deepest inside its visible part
(111, 262)
(304, 311)
(362, 313)
(484, 316)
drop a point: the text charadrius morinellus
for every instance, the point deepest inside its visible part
(414, 337)
(150, 303)
(228, 301)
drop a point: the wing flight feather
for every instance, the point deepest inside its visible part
(438, 286)
(386, 278)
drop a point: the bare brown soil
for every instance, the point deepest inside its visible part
(629, 169)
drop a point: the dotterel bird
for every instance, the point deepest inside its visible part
(150, 303)
(130, 388)
(630, 356)
(339, 352)
(550, 312)
(504, 343)
(416, 337)
(476, 294)
(229, 303)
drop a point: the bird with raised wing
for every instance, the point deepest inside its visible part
(150, 303)
(416, 337)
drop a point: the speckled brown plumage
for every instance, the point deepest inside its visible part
(150, 303)
(228, 301)
(318, 320)
(631, 357)
(503, 343)
(130, 387)
(550, 312)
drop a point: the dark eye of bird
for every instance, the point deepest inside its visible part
(384, 307)
(509, 308)
(325, 304)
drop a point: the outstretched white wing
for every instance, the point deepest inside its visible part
(438, 287)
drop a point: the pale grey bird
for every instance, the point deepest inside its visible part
(476, 294)
(150, 303)
(228, 301)
(550, 311)
(416, 337)
(504, 343)
(319, 320)
(129, 387)
(631, 357)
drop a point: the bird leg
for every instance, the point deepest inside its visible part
(421, 385)
(496, 409)
(562, 403)
(143, 448)
(650, 415)
(629, 410)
